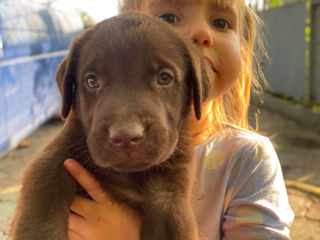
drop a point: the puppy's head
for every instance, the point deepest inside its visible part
(130, 80)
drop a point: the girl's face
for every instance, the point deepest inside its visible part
(213, 28)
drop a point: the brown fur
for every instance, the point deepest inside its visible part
(153, 172)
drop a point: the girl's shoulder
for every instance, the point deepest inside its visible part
(236, 141)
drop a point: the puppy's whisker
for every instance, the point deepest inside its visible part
(181, 149)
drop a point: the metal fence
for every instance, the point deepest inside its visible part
(315, 52)
(269, 4)
(292, 30)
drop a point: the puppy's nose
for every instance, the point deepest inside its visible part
(126, 136)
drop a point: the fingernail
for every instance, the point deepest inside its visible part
(67, 163)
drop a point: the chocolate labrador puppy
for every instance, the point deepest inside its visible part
(128, 86)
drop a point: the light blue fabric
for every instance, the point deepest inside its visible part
(239, 192)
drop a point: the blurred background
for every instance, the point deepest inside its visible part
(35, 36)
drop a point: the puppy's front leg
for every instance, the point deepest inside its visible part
(43, 207)
(47, 192)
(168, 218)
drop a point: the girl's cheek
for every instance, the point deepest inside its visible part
(232, 54)
(184, 30)
(229, 58)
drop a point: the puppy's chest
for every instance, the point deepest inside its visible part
(137, 189)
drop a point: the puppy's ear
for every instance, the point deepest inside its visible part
(66, 77)
(199, 75)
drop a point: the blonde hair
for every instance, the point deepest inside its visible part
(232, 107)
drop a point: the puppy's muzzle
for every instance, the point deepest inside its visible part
(126, 137)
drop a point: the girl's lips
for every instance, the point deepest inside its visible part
(209, 62)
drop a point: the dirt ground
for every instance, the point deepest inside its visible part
(298, 149)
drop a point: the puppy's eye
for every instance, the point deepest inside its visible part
(165, 78)
(92, 82)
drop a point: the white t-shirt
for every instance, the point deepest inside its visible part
(239, 191)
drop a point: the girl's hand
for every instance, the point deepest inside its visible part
(100, 218)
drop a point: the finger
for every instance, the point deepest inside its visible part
(86, 180)
(84, 207)
(77, 223)
(74, 236)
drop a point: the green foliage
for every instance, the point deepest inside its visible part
(86, 19)
(276, 3)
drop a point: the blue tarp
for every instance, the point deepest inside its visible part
(35, 39)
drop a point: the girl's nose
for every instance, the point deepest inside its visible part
(201, 35)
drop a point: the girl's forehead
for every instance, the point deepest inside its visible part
(218, 3)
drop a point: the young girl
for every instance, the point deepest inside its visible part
(239, 192)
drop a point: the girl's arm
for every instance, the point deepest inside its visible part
(100, 218)
(258, 204)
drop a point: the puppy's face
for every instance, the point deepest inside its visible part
(132, 91)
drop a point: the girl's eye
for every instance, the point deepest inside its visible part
(221, 23)
(169, 18)
(92, 82)
(165, 78)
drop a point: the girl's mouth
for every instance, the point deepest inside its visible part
(209, 61)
